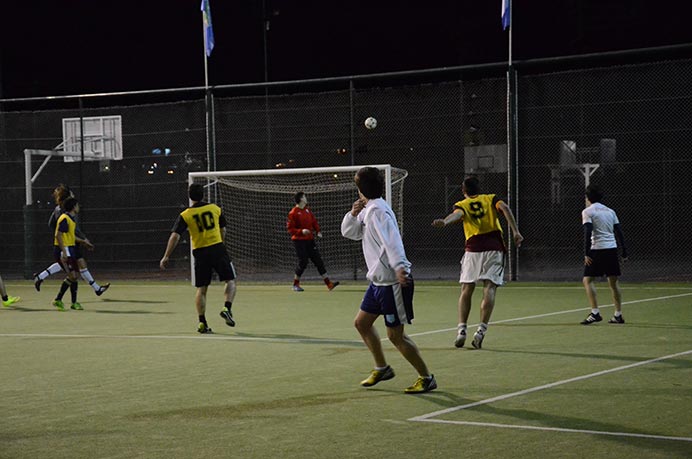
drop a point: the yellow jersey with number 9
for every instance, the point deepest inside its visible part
(204, 222)
(481, 223)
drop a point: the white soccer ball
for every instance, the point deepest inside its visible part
(370, 123)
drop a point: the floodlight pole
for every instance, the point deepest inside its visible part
(512, 150)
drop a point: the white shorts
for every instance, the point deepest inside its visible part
(478, 266)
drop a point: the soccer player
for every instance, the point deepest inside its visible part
(302, 226)
(7, 300)
(390, 293)
(601, 229)
(64, 250)
(483, 258)
(60, 194)
(207, 227)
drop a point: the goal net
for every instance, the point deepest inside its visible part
(256, 203)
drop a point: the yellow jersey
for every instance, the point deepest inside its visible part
(204, 222)
(67, 226)
(481, 223)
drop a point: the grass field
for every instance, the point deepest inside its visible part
(129, 377)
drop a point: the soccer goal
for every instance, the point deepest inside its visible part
(256, 203)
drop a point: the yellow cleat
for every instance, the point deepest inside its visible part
(10, 301)
(422, 384)
(377, 376)
(59, 305)
(77, 307)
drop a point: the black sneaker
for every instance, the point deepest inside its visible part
(102, 289)
(591, 318)
(617, 320)
(333, 285)
(227, 315)
(37, 282)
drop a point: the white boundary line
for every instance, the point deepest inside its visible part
(210, 337)
(558, 429)
(569, 311)
(427, 417)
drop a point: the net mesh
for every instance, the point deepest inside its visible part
(256, 208)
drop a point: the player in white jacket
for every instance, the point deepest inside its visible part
(391, 289)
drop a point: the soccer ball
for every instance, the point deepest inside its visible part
(370, 123)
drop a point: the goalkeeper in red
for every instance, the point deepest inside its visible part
(303, 227)
(390, 293)
(207, 227)
(484, 256)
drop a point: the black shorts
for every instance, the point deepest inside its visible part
(605, 262)
(212, 258)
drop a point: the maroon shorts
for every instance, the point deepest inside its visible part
(71, 263)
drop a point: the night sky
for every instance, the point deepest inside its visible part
(55, 47)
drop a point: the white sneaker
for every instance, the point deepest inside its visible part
(478, 339)
(460, 339)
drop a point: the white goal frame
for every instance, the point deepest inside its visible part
(386, 168)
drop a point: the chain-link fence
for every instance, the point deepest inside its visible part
(632, 120)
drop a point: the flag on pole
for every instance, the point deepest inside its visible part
(505, 14)
(208, 31)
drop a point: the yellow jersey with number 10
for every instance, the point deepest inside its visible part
(481, 223)
(203, 225)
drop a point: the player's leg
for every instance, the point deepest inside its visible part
(203, 273)
(7, 300)
(227, 274)
(591, 272)
(74, 286)
(55, 268)
(614, 285)
(487, 306)
(302, 254)
(316, 258)
(464, 308)
(86, 275)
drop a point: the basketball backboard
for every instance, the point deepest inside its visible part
(103, 138)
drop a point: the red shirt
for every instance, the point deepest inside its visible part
(300, 219)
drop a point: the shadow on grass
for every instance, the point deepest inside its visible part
(302, 339)
(111, 300)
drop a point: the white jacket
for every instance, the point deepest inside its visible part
(383, 248)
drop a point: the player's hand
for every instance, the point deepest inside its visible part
(88, 244)
(439, 223)
(163, 263)
(358, 205)
(319, 234)
(588, 261)
(518, 238)
(403, 277)
(305, 231)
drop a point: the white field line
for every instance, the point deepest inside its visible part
(212, 337)
(569, 311)
(545, 386)
(557, 429)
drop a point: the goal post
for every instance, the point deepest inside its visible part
(256, 203)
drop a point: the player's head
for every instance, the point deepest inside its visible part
(300, 197)
(196, 192)
(62, 192)
(370, 182)
(471, 186)
(594, 193)
(70, 204)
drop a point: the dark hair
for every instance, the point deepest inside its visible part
(196, 192)
(69, 204)
(60, 193)
(471, 185)
(370, 182)
(594, 193)
(298, 196)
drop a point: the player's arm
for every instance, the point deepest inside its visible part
(588, 231)
(316, 226)
(388, 233)
(620, 237)
(504, 209)
(350, 226)
(292, 225)
(456, 216)
(178, 228)
(222, 226)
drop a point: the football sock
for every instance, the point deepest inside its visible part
(617, 313)
(327, 281)
(228, 305)
(52, 269)
(63, 288)
(296, 281)
(381, 368)
(86, 275)
(595, 311)
(203, 319)
(73, 291)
